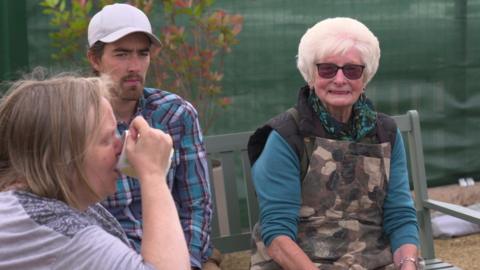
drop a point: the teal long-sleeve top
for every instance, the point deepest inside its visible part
(276, 176)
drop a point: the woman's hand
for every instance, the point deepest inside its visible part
(405, 257)
(289, 255)
(408, 266)
(148, 149)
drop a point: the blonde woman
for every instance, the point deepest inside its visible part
(58, 156)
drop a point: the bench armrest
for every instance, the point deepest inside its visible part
(454, 210)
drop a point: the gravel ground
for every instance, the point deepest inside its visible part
(463, 252)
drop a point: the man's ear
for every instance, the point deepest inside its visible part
(94, 61)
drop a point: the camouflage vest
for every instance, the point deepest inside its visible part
(343, 190)
(341, 215)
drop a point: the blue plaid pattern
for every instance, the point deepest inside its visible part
(187, 177)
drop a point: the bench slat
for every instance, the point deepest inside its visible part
(229, 180)
(253, 211)
(440, 266)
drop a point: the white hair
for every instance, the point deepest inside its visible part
(336, 36)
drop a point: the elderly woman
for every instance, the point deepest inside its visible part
(331, 174)
(58, 156)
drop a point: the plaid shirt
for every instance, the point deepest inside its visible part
(187, 177)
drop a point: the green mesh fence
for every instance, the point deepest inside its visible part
(430, 62)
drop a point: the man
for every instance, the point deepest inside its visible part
(120, 41)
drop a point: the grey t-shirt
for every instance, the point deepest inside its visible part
(42, 233)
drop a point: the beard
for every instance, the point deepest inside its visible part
(130, 87)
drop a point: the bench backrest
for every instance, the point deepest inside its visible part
(235, 204)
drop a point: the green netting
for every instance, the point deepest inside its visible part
(13, 45)
(430, 62)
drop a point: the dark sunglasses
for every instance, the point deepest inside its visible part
(329, 70)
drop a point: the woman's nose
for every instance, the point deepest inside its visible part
(340, 77)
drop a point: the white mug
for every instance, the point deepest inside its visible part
(125, 167)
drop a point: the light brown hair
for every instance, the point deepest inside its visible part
(45, 126)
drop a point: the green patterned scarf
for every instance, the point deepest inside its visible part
(361, 122)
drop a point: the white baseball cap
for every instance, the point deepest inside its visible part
(116, 21)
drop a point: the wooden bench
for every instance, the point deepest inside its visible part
(236, 210)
